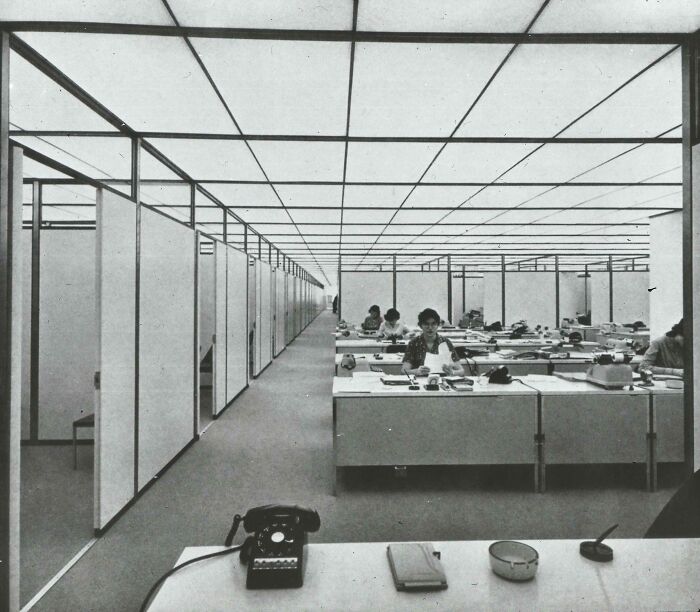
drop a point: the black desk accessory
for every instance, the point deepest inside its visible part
(499, 376)
(378, 356)
(275, 553)
(412, 384)
(596, 550)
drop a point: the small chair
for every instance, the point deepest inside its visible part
(87, 421)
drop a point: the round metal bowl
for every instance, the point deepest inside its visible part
(513, 560)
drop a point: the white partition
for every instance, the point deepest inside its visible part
(289, 316)
(237, 332)
(258, 318)
(67, 330)
(599, 288)
(167, 410)
(280, 311)
(416, 291)
(531, 296)
(631, 297)
(116, 317)
(472, 298)
(206, 300)
(665, 272)
(265, 314)
(362, 289)
(493, 301)
(26, 267)
(572, 295)
(220, 327)
(252, 284)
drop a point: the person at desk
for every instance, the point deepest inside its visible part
(665, 354)
(429, 342)
(392, 326)
(374, 320)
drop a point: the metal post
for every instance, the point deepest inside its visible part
(135, 167)
(450, 316)
(556, 290)
(225, 230)
(464, 289)
(245, 238)
(34, 306)
(393, 281)
(259, 247)
(340, 285)
(503, 289)
(610, 288)
(193, 199)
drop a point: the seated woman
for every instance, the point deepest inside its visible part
(665, 354)
(429, 342)
(392, 327)
(374, 320)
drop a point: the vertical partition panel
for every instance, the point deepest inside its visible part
(206, 301)
(26, 255)
(281, 309)
(362, 289)
(236, 338)
(116, 314)
(258, 317)
(167, 337)
(265, 325)
(416, 291)
(665, 272)
(531, 296)
(220, 327)
(572, 295)
(67, 330)
(599, 287)
(493, 297)
(473, 295)
(631, 297)
(252, 284)
(289, 301)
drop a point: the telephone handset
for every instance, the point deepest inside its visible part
(275, 552)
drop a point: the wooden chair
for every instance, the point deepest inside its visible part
(87, 421)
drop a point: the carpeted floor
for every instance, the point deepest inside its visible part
(56, 511)
(274, 445)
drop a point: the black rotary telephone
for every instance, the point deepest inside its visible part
(275, 552)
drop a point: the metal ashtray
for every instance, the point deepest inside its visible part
(513, 560)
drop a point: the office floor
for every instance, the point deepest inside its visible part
(274, 445)
(56, 511)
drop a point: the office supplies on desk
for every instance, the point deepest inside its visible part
(398, 379)
(415, 566)
(433, 383)
(348, 362)
(513, 560)
(595, 550)
(499, 376)
(611, 371)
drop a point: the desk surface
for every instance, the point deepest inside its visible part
(553, 385)
(644, 575)
(372, 386)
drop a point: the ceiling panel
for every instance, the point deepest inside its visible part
(281, 87)
(417, 90)
(76, 194)
(622, 16)
(316, 216)
(476, 162)
(279, 14)
(447, 15)
(374, 216)
(32, 169)
(155, 194)
(647, 107)
(151, 82)
(33, 93)
(440, 196)
(407, 215)
(389, 161)
(542, 88)
(150, 12)
(649, 163)
(243, 195)
(95, 157)
(256, 215)
(568, 196)
(301, 161)
(210, 159)
(563, 162)
(375, 195)
(310, 195)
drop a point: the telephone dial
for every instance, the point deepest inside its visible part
(274, 553)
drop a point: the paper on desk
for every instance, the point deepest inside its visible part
(435, 362)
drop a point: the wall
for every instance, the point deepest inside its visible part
(492, 297)
(572, 297)
(531, 296)
(599, 295)
(473, 296)
(361, 290)
(665, 272)
(416, 291)
(631, 297)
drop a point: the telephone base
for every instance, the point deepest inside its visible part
(275, 573)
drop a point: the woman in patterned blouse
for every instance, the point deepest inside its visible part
(429, 342)
(374, 320)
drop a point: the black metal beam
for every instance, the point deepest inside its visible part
(498, 38)
(348, 138)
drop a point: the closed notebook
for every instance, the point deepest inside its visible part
(416, 566)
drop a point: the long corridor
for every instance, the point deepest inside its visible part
(274, 445)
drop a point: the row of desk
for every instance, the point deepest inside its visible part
(372, 345)
(391, 363)
(537, 420)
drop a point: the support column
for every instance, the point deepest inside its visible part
(464, 289)
(503, 290)
(449, 289)
(34, 306)
(556, 291)
(393, 280)
(691, 247)
(610, 286)
(193, 200)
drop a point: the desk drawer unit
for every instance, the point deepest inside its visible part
(599, 428)
(668, 426)
(413, 430)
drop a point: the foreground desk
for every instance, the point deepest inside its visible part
(667, 425)
(645, 575)
(376, 424)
